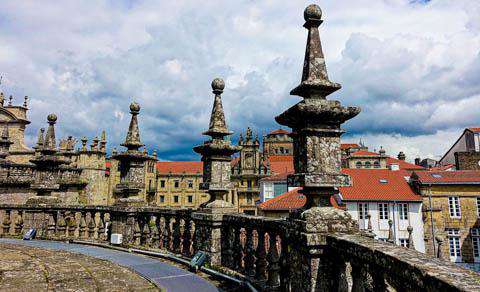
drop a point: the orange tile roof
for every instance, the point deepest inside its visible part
(403, 164)
(180, 167)
(277, 177)
(348, 145)
(281, 164)
(378, 185)
(364, 153)
(290, 201)
(279, 131)
(442, 167)
(475, 130)
(447, 177)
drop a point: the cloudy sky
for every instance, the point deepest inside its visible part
(413, 67)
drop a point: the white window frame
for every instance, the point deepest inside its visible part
(478, 206)
(362, 215)
(403, 211)
(383, 211)
(454, 207)
(403, 242)
(475, 232)
(454, 246)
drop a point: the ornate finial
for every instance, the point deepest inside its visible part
(103, 141)
(2, 99)
(104, 136)
(240, 139)
(315, 82)
(40, 139)
(218, 126)
(145, 152)
(155, 153)
(382, 151)
(50, 141)
(114, 151)
(25, 101)
(84, 143)
(132, 141)
(10, 98)
(257, 141)
(94, 146)
(248, 135)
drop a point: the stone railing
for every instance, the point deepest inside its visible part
(12, 173)
(272, 254)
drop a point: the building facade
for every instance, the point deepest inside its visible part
(451, 213)
(465, 152)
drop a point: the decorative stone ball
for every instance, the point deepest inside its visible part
(218, 84)
(52, 118)
(134, 107)
(312, 11)
(409, 229)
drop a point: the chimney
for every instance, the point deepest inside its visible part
(401, 156)
(417, 161)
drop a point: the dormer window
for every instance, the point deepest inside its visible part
(368, 164)
(358, 164)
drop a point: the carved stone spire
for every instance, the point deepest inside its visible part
(40, 140)
(218, 125)
(316, 124)
(50, 141)
(216, 156)
(5, 143)
(10, 99)
(132, 141)
(315, 82)
(2, 99)
(84, 143)
(25, 102)
(103, 142)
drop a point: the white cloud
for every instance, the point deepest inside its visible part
(414, 69)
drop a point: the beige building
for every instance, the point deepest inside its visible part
(451, 213)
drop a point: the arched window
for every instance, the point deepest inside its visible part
(376, 164)
(368, 164)
(358, 164)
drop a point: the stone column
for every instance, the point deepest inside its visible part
(216, 156)
(316, 130)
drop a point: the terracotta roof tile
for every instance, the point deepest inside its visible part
(447, 177)
(290, 201)
(279, 131)
(403, 164)
(475, 130)
(378, 185)
(364, 153)
(277, 177)
(281, 164)
(192, 167)
(348, 145)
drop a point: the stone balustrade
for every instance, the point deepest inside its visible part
(272, 254)
(16, 174)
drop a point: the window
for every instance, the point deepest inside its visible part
(190, 184)
(190, 199)
(383, 211)
(376, 164)
(282, 150)
(454, 244)
(162, 183)
(362, 210)
(249, 183)
(249, 198)
(150, 167)
(476, 244)
(177, 184)
(383, 181)
(454, 207)
(368, 164)
(175, 199)
(287, 150)
(478, 206)
(358, 164)
(162, 199)
(403, 210)
(404, 242)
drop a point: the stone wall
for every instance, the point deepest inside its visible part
(467, 160)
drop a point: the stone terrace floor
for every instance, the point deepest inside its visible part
(25, 268)
(57, 266)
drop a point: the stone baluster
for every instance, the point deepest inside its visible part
(249, 258)
(193, 241)
(51, 226)
(238, 250)
(101, 229)
(176, 235)
(91, 226)
(61, 225)
(6, 223)
(261, 263)
(145, 239)
(439, 240)
(163, 233)
(82, 227)
(137, 233)
(19, 223)
(171, 234)
(71, 223)
(390, 231)
(185, 234)
(228, 248)
(410, 243)
(273, 264)
(155, 233)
